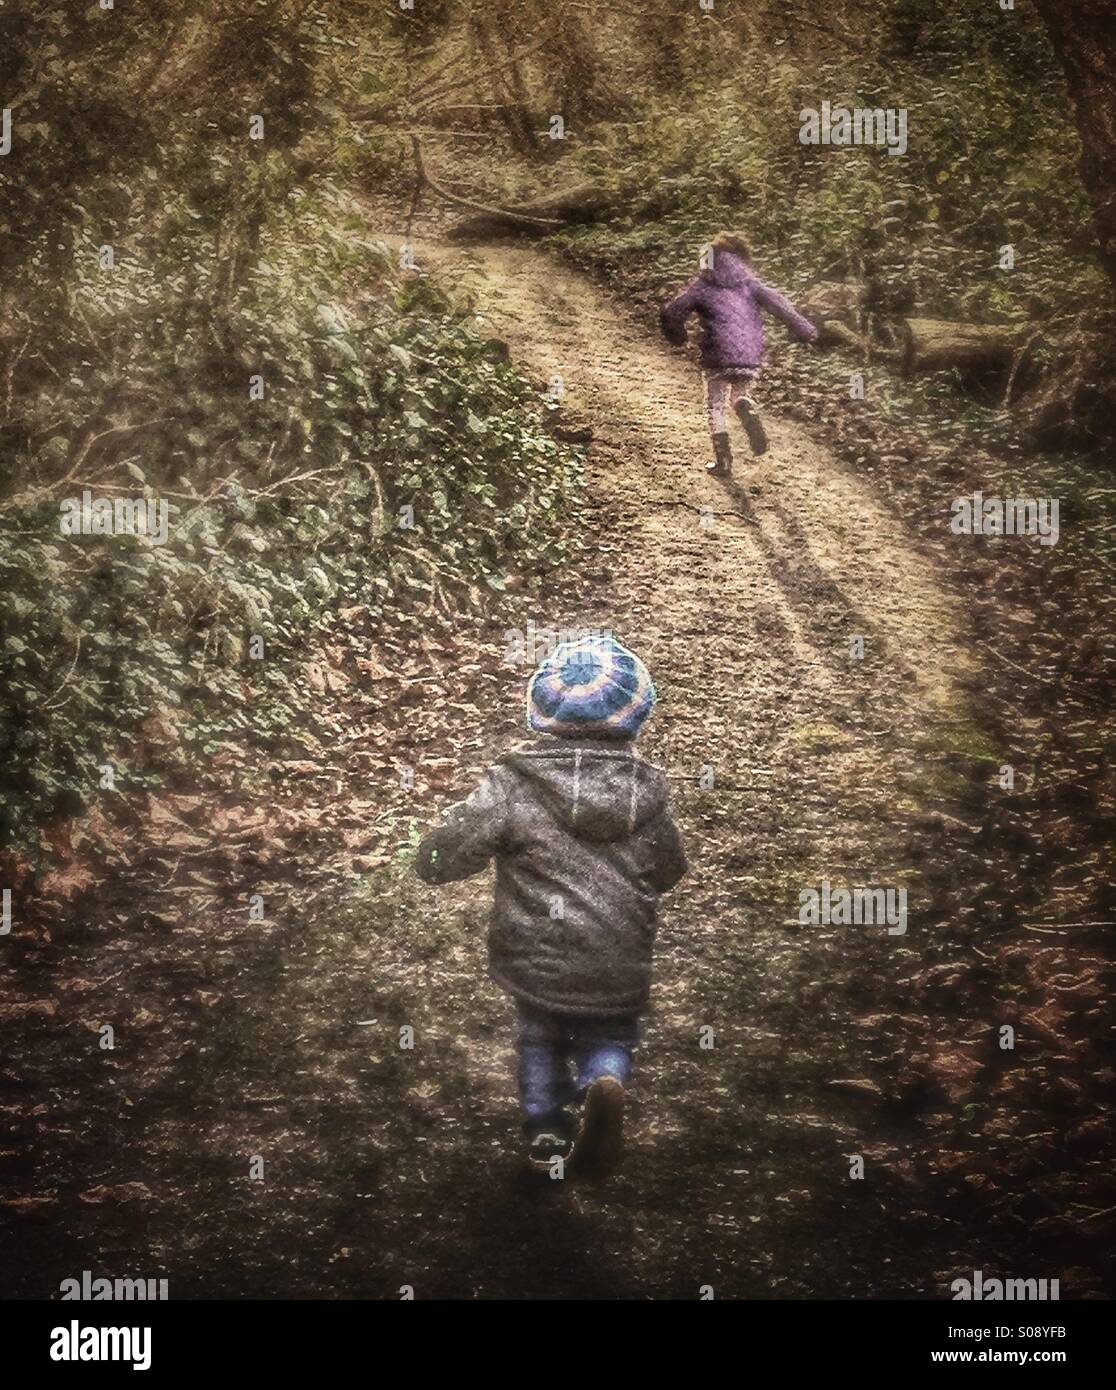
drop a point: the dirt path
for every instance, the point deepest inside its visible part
(746, 618)
(387, 1167)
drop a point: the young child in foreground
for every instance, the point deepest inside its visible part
(729, 299)
(584, 845)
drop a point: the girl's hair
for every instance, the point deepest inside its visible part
(736, 242)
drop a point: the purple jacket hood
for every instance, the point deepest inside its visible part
(728, 271)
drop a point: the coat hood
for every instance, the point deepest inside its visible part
(598, 793)
(728, 271)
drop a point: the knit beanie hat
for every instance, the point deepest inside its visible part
(592, 688)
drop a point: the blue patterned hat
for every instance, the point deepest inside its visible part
(593, 688)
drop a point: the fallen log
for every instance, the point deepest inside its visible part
(934, 345)
(581, 203)
(584, 202)
(507, 214)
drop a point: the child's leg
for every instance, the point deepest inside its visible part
(544, 1077)
(741, 389)
(604, 1047)
(747, 413)
(716, 402)
(603, 1050)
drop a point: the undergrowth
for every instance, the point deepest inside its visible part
(331, 436)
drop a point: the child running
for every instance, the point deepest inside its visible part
(584, 844)
(729, 298)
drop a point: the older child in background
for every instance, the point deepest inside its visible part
(729, 299)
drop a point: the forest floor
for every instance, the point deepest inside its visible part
(386, 1167)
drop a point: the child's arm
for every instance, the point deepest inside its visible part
(668, 858)
(775, 304)
(473, 832)
(673, 316)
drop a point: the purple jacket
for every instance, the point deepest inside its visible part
(729, 299)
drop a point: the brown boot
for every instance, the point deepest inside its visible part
(723, 450)
(600, 1140)
(748, 416)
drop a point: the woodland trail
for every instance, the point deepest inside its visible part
(389, 1168)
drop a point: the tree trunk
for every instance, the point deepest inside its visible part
(932, 345)
(1083, 33)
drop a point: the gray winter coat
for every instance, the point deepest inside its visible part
(584, 844)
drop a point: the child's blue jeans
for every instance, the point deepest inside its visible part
(549, 1042)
